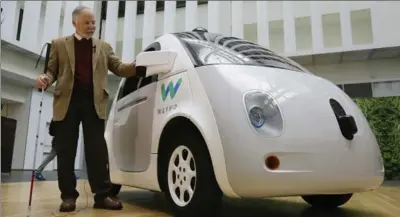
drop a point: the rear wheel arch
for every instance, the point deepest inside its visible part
(176, 125)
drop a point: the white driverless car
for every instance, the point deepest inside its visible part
(210, 115)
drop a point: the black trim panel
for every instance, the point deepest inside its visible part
(141, 71)
(132, 103)
(346, 122)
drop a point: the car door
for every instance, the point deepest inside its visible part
(133, 122)
(125, 123)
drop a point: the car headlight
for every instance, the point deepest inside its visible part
(263, 113)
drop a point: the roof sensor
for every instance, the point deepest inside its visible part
(200, 29)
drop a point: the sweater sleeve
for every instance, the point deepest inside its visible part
(116, 66)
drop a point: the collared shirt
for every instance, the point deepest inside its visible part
(77, 36)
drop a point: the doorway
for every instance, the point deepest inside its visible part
(8, 128)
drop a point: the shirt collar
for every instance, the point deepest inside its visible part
(77, 36)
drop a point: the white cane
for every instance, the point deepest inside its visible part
(39, 119)
(36, 145)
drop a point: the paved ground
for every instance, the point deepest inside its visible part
(383, 202)
(25, 176)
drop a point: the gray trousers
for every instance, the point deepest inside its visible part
(47, 160)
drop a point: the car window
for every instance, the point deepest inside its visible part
(131, 84)
(213, 49)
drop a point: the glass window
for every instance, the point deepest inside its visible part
(211, 49)
(386, 88)
(360, 90)
(129, 85)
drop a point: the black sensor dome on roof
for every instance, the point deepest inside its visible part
(200, 29)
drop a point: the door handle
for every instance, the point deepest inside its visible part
(132, 103)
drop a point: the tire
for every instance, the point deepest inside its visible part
(115, 189)
(195, 172)
(327, 201)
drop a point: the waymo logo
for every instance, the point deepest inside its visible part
(171, 89)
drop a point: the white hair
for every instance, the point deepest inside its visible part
(78, 10)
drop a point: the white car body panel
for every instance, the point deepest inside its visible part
(327, 163)
(211, 97)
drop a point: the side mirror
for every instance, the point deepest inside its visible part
(154, 63)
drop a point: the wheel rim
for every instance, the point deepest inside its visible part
(182, 176)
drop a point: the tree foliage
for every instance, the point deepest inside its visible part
(383, 114)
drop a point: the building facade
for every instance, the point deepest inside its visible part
(354, 44)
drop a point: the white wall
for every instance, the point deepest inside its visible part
(274, 11)
(53, 19)
(359, 71)
(389, 88)
(10, 91)
(18, 110)
(19, 64)
(343, 25)
(331, 32)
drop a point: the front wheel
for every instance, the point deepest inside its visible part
(327, 201)
(191, 187)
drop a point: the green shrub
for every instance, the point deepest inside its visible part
(383, 115)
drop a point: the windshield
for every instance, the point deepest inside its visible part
(211, 49)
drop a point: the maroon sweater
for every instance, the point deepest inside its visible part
(83, 65)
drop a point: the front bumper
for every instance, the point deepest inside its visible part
(306, 166)
(301, 173)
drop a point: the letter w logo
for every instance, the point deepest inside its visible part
(171, 89)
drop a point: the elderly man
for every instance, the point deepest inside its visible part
(80, 64)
